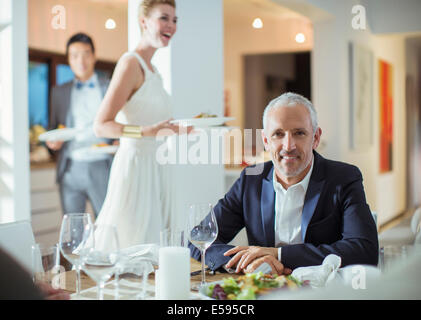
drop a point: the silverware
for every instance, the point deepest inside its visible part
(195, 273)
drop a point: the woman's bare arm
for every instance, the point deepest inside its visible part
(127, 78)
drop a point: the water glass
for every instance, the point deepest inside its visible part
(71, 237)
(173, 238)
(99, 261)
(203, 230)
(45, 262)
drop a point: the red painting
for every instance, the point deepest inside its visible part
(386, 116)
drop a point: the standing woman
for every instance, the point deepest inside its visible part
(138, 200)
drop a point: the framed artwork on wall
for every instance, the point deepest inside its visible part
(361, 97)
(385, 116)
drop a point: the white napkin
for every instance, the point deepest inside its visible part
(319, 276)
(138, 259)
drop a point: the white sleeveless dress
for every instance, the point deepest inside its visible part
(139, 196)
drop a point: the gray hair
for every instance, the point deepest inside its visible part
(290, 99)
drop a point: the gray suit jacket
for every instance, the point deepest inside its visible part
(60, 114)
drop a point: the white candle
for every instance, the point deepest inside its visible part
(174, 273)
(157, 285)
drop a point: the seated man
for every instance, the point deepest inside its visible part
(297, 208)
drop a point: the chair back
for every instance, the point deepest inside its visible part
(416, 220)
(17, 239)
(374, 215)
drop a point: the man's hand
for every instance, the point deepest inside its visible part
(277, 267)
(52, 294)
(246, 255)
(54, 145)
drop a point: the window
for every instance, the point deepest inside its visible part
(38, 86)
(46, 70)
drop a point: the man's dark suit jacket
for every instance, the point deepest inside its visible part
(335, 219)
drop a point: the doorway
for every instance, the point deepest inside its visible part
(267, 76)
(413, 120)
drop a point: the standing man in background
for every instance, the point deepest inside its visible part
(74, 105)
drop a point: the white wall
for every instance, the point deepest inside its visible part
(391, 16)
(240, 38)
(80, 16)
(386, 193)
(14, 146)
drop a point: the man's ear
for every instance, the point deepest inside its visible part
(316, 139)
(265, 140)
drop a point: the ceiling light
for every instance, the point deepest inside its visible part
(258, 23)
(110, 24)
(300, 38)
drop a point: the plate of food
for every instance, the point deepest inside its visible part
(60, 134)
(203, 120)
(251, 286)
(93, 151)
(103, 148)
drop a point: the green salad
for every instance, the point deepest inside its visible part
(249, 286)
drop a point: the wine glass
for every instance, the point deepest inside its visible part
(99, 260)
(71, 237)
(202, 230)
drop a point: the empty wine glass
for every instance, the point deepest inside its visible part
(71, 237)
(202, 230)
(99, 260)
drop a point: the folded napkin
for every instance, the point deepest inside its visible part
(319, 276)
(138, 259)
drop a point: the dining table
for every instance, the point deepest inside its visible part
(129, 285)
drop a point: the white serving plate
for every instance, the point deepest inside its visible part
(64, 134)
(203, 122)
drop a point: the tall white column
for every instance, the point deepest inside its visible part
(14, 138)
(193, 73)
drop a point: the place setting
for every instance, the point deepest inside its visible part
(166, 271)
(141, 272)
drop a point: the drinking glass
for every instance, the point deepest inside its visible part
(71, 237)
(99, 260)
(202, 230)
(45, 262)
(173, 238)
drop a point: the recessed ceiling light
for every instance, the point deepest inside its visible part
(110, 24)
(300, 38)
(258, 23)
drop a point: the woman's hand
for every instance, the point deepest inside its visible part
(54, 145)
(165, 128)
(52, 294)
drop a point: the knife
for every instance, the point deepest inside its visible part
(195, 273)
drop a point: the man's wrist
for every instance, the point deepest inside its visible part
(229, 270)
(274, 252)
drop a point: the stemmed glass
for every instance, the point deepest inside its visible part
(99, 260)
(202, 230)
(71, 237)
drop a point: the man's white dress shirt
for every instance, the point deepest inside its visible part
(85, 101)
(288, 211)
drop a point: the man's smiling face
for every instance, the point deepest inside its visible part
(289, 138)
